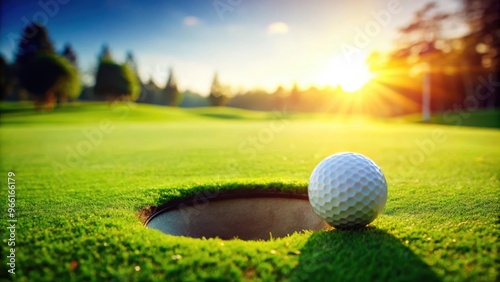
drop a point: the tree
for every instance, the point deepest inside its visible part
(130, 61)
(256, 99)
(191, 100)
(150, 93)
(483, 19)
(105, 54)
(69, 54)
(132, 64)
(426, 26)
(3, 77)
(41, 71)
(279, 101)
(483, 42)
(50, 78)
(35, 39)
(217, 96)
(423, 51)
(116, 81)
(294, 98)
(171, 94)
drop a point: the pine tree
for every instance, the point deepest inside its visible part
(69, 54)
(105, 54)
(279, 98)
(295, 97)
(116, 82)
(48, 76)
(171, 94)
(217, 95)
(3, 77)
(35, 39)
(132, 64)
(130, 61)
(150, 93)
(483, 19)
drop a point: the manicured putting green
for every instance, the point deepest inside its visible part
(78, 213)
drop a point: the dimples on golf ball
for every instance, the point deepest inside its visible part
(347, 190)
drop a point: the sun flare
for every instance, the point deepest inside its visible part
(350, 76)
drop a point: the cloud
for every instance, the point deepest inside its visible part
(191, 21)
(277, 28)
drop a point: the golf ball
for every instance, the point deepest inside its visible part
(347, 190)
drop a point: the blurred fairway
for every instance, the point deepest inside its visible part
(77, 220)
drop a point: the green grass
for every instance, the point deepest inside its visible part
(79, 220)
(485, 118)
(482, 118)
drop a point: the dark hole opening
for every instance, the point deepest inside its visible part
(248, 216)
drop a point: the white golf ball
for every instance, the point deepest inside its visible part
(347, 190)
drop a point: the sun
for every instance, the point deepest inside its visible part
(350, 76)
(354, 78)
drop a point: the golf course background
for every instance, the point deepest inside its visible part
(85, 172)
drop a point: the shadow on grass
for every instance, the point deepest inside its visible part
(363, 255)
(222, 115)
(481, 118)
(18, 110)
(29, 109)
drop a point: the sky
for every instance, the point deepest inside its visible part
(249, 43)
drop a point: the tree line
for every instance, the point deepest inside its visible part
(456, 68)
(49, 78)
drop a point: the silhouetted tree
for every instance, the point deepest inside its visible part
(423, 50)
(279, 96)
(217, 96)
(105, 54)
(50, 78)
(483, 42)
(150, 93)
(483, 19)
(256, 99)
(171, 94)
(130, 61)
(191, 99)
(425, 28)
(116, 81)
(35, 39)
(47, 76)
(132, 64)
(295, 97)
(69, 54)
(3, 77)
(87, 93)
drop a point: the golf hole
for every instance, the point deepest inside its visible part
(246, 216)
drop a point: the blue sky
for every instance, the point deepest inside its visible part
(250, 44)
